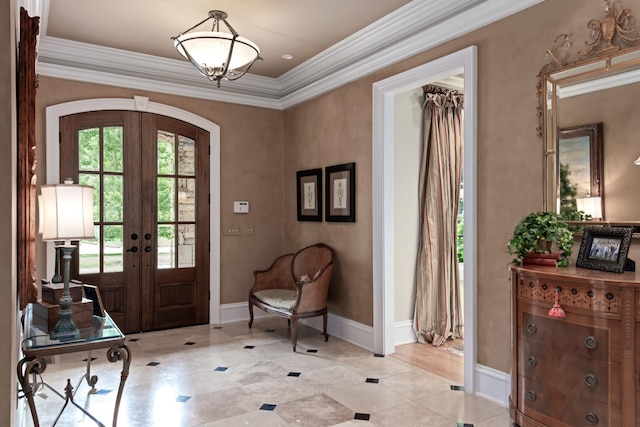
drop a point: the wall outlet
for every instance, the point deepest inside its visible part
(249, 230)
(231, 230)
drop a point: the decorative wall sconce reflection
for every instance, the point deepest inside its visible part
(590, 206)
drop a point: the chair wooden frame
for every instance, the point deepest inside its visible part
(286, 272)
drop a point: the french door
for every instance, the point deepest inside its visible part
(150, 255)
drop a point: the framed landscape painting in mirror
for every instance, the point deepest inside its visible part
(579, 166)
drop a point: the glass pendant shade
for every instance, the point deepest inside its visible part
(217, 54)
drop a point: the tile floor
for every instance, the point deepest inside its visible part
(231, 375)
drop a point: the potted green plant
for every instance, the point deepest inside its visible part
(535, 236)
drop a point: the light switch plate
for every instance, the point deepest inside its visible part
(240, 207)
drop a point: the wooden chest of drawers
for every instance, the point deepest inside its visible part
(580, 370)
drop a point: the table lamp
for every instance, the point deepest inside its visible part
(67, 214)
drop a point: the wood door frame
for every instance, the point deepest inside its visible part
(142, 104)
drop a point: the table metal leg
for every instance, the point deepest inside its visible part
(113, 355)
(27, 367)
(35, 366)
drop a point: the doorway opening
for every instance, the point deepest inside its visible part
(387, 329)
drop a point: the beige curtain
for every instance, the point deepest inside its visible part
(438, 311)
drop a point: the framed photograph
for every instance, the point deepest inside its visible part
(309, 190)
(579, 164)
(604, 248)
(93, 293)
(341, 193)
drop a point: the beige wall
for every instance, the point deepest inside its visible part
(251, 159)
(9, 334)
(510, 56)
(262, 150)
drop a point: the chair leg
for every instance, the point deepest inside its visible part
(250, 315)
(324, 325)
(294, 333)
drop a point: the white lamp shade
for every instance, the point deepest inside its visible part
(637, 162)
(210, 49)
(590, 206)
(66, 212)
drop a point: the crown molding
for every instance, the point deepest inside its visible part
(154, 85)
(414, 28)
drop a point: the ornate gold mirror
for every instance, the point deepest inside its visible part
(589, 84)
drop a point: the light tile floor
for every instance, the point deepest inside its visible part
(231, 375)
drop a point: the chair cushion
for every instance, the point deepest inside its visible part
(279, 298)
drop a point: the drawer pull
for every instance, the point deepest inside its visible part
(591, 418)
(531, 395)
(532, 328)
(532, 361)
(591, 380)
(591, 342)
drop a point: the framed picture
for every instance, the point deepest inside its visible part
(579, 165)
(341, 193)
(309, 190)
(93, 293)
(604, 248)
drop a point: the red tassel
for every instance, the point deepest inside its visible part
(556, 310)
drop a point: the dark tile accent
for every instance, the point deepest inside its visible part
(378, 355)
(373, 380)
(271, 330)
(182, 399)
(249, 346)
(153, 363)
(312, 350)
(42, 395)
(134, 339)
(464, 425)
(103, 391)
(293, 374)
(217, 327)
(361, 416)
(221, 368)
(92, 359)
(457, 388)
(189, 343)
(267, 407)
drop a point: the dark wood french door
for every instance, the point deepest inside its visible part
(150, 256)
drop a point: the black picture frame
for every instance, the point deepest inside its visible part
(340, 193)
(93, 293)
(309, 191)
(604, 248)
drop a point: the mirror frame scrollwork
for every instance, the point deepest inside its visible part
(610, 56)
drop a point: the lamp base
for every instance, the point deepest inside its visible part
(66, 328)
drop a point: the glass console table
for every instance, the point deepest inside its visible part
(37, 346)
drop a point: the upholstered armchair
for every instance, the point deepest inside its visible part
(295, 287)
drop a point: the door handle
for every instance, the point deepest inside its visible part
(147, 248)
(133, 249)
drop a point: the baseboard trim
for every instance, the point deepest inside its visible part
(404, 333)
(491, 384)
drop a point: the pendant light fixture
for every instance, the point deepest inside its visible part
(217, 54)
